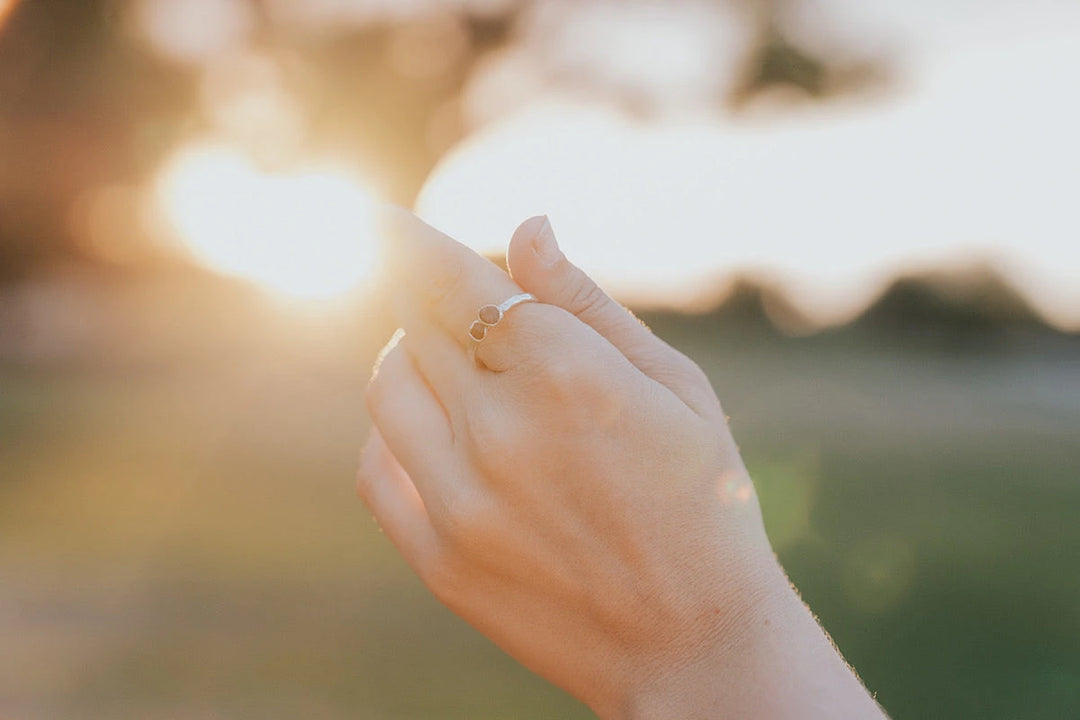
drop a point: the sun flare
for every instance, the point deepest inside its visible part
(306, 234)
(6, 6)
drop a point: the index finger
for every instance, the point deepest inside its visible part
(439, 276)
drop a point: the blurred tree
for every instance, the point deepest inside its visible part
(395, 120)
(78, 109)
(975, 310)
(778, 61)
(83, 105)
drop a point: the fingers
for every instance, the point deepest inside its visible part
(412, 423)
(449, 281)
(441, 362)
(539, 266)
(388, 492)
(439, 284)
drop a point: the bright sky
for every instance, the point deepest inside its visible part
(975, 157)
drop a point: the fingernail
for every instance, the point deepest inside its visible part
(545, 245)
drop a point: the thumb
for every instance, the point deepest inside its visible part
(538, 265)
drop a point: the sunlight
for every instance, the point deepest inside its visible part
(308, 234)
(972, 162)
(6, 6)
(663, 213)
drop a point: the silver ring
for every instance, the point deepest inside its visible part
(488, 316)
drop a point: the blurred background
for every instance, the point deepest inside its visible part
(859, 218)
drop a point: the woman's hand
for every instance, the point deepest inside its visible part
(575, 493)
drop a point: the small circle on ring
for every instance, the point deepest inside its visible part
(490, 315)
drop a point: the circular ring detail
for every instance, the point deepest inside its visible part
(488, 316)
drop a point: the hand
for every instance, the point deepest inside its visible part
(574, 493)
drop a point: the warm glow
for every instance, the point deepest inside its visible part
(194, 30)
(6, 6)
(971, 159)
(828, 207)
(308, 234)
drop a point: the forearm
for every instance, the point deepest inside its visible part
(778, 664)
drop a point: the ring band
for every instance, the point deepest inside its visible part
(488, 316)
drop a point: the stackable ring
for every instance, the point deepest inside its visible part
(488, 316)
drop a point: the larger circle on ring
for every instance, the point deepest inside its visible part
(489, 315)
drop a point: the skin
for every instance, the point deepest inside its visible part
(575, 494)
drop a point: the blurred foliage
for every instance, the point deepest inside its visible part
(967, 310)
(84, 104)
(179, 536)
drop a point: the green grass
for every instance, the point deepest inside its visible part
(181, 540)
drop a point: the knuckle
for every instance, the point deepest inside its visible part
(678, 368)
(695, 373)
(589, 394)
(572, 374)
(455, 517)
(586, 297)
(466, 526)
(492, 433)
(442, 576)
(529, 328)
(565, 372)
(693, 377)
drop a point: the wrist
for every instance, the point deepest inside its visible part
(690, 685)
(771, 660)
